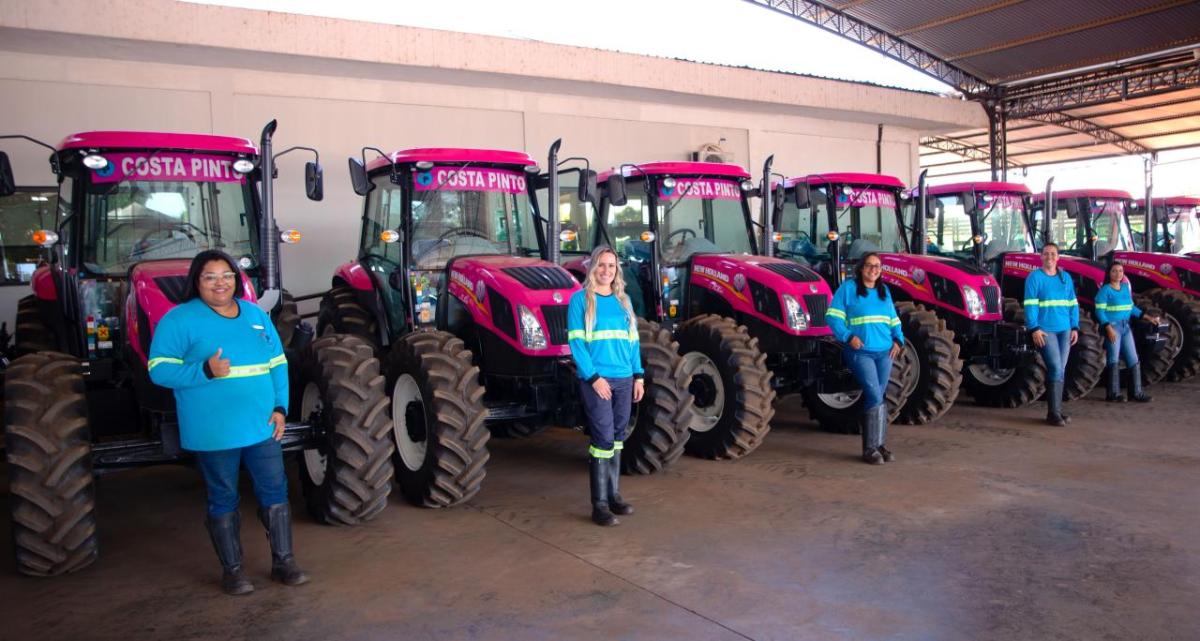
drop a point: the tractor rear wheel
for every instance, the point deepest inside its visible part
(730, 387)
(938, 367)
(1156, 364)
(52, 493)
(1085, 365)
(1016, 387)
(1186, 311)
(437, 419)
(342, 313)
(659, 431)
(347, 480)
(32, 334)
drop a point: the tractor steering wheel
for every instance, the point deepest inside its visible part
(462, 231)
(682, 233)
(181, 226)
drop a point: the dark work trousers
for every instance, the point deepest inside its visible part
(607, 420)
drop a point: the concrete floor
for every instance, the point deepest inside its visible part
(990, 526)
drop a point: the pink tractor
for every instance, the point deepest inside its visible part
(135, 207)
(749, 326)
(472, 324)
(1094, 225)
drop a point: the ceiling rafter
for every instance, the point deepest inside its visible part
(957, 147)
(1095, 130)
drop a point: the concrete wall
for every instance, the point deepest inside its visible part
(339, 85)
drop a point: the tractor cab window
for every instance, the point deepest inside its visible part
(867, 220)
(577, 218)
(701, 216)
(459, 211)
(1108, 225)
(624, 225)
(1001, 221)
(803, 231)
(949, 232)
(385, 206)
(130, 221)
(22, 214)
(1182, 228)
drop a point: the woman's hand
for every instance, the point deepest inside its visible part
(278, 421)
(895, 352)
(217, 365)
(1074, 336)
(855, 342)
(1039, 338)
(1112, 333)
(1154, 320)
(602, 389)
(639, 389)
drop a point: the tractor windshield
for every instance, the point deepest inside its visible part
(129, 221)
(459, 211)
(701, 216)
(865, 218)
(1180, 226)
(999, 220)
(1089, 227)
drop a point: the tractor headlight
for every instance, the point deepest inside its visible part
(974, 302)
(532, 336)
(796, 318)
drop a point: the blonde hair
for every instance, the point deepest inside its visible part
(618, 288)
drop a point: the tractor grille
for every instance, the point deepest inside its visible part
(542, 277)
(792, 272)
(556, 323)
(991, 299)
(766, 301)
(817, 305)
(502, 313)
(946, 291)
(173, 287)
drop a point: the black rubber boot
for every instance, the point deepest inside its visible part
(1135, 385)
(1054, 415)
(278, 521)
(1114, 384)
(871, 434)
(615, 503)
(598, 471)
(881, 426)
(224, 530)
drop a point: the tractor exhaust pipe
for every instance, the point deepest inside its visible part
(268, 233)
(553, 249)
(1048, 213)
(768, 209)
(1148, 235)
(918, 244)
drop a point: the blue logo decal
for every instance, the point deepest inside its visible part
(843, 199)
(425, 179)
(666, 192)
(107, 170)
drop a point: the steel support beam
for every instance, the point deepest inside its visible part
(961, 149)
(997, 139)
(1097, 131)
(1100, 87)
(855, 30)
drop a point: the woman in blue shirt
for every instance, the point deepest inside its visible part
(1114, 309)
(863, 318)
(1052, 319)
(221, 356)
(602, 332)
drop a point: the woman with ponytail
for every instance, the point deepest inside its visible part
(602, 332)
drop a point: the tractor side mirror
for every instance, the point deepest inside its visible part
(615, 185)
(8, 186)
(779, 196)
(801, 196)
(358, 178)
(931, 207)
(314, 181)
(588, 186)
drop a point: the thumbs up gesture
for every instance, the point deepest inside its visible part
(217, 365)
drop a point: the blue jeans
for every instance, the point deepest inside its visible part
(871, 370)
(1055, 353)
(264, 462)
(1124, 346)
(607, 420)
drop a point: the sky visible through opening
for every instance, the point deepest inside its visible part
(726, 32)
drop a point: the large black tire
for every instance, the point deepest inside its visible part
(52, 493)
(1085, 365)
(1156, 364)
(730, 387)
(288, 318)
(437, 419)
(661, 421)
(841, 412)
(348, 479)
(32, 333)
(1186, 311)
(342, 313)
(1015, 387)
(938, 367)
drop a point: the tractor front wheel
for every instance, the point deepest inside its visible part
(1015, 387)
(1155, 364)
(52, 493)
(1186, 311)
(841, 412)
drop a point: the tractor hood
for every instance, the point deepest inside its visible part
(1087, 274)
(1171, 271)
(506, 294)
(154, 288)
(757, 286)
(949, 283)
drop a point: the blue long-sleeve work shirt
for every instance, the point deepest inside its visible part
(231, 411)
(1113, 305)
(871, 318)
(610, 350)
(1050, 303)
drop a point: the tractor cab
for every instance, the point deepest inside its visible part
(1089, 223)
(1176, 225)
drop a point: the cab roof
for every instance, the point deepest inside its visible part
(678, 168)
(156, 140)
(846, 178)
(1086, 193)
(1173, 201)
(451, 155)
(958, 188)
